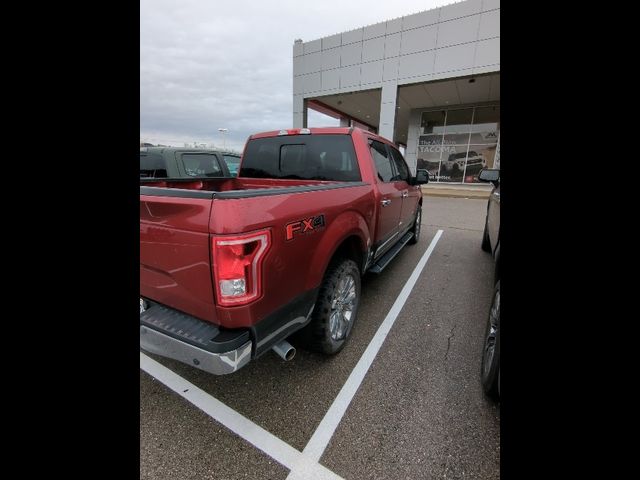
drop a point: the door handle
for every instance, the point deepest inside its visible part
(405, 194)
(386, 203)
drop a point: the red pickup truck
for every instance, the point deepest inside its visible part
(231, 267)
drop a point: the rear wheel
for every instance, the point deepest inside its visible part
(416, 227)
(491, 354)
(335, 310)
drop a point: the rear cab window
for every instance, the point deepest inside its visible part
(302, 157)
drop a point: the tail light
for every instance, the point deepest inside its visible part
(237, 266)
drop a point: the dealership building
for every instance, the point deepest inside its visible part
(430, 82)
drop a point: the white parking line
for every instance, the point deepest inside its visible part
(305, 464)
(277, 449)
(321, 437)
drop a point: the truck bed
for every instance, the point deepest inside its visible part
(178, 218)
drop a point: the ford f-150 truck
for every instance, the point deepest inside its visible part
(231, 267)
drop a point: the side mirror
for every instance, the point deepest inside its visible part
(422, 177)
(489, 175)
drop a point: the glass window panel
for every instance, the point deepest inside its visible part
(456, 139)
(484, 137)
(442, 150)
(233, 162)
(486, 123)
(429, 161)
(401, 167)
(382, 161)
(452, 165)
(459, 121)
(307, 157)
(428, 154)
(427, 141)
(152, 166)
(487, 115)
(201, 165)
(432, 122)
(480, 156)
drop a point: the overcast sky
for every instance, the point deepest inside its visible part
(215, 64)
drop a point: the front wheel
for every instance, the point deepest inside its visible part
(491, 354)
(416, 227)
(335, 310)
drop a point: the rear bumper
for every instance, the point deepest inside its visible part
(216, 363)
(173, 334)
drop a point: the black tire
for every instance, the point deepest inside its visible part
(486, 243)
(318, 335)
(490, 370)
(416, 227)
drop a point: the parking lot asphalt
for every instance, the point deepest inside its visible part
(420, 411)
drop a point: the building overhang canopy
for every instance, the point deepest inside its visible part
(363, 106)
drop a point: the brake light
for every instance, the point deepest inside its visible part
(295, 131)
(237, 266)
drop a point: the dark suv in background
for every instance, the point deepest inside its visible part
(175, 162)
(490, 372)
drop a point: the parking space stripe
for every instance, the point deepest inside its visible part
(321, 437)
(277, 449)
(305, 464)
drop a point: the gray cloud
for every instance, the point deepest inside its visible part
(206, 65)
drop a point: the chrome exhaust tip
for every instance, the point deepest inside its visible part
(285, 350)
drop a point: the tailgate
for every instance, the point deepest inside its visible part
(175, 267)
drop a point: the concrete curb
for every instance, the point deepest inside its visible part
(456, 192)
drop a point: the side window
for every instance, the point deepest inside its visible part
(152, 166)
(201, 165)
(233, 162)
(401, 166)
(382, 161)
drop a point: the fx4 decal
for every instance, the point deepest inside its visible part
(304, 226)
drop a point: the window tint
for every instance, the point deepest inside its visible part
(152, 166)
(304, 157)
(382, 161)
(401, 166)
(292, 160)
(233, 162)
(201, 165)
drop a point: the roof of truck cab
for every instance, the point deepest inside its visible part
(315, 131)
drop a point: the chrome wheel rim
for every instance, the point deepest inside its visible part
(490, 341)
(342, 307)
(418, 223)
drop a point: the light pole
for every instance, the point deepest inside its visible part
(223, 131)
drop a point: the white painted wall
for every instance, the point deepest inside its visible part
(456, 40)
